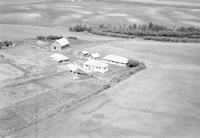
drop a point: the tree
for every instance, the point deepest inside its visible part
(133, 63)
(135, 26)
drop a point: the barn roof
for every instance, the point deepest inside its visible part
(96, 63)
(62, 41)
(115, 58)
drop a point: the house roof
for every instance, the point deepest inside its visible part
(115, 58)
(96, 63)
(62, 41)
(58, 57)
(95, 55)
(84, 52)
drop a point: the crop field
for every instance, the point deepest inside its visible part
(30, 18)
(59, 13)
(9, 72)
(160, 101)
(19, 93)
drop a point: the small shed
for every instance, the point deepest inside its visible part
(95, 56)
(95, 66)
(113, 59)
(84, 52)
(60, 44)
(58, 57)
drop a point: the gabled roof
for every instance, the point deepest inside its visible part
(84, 52)
(96, 63)
(62, 41)
(58, 57)
(115, 58)
(95, 55)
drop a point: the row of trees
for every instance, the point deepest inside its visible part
(147, 31)
(152, 30)
(49, 38)
(81, 28)
(5, 44)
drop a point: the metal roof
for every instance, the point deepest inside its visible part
(58, 57)
(84, 52)
(95, 55)
(62, 41)
(96, 63)
(115, 58)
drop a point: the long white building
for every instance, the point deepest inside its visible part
(117, 60)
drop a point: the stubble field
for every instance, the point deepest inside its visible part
(161, 101)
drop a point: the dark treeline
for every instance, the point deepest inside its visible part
(49, 38)
(146, 31)
(5, 44)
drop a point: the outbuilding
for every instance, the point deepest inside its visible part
(95, 66)
(84, 52)
(58, 57)
(95, 56)
(60, 44)
(117, 60)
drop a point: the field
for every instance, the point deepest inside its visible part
(60, 13)
(160, 101)
(30, 18)
(32, 87)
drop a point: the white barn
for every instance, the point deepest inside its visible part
(59, 44)
(117, 60)
(95, 66)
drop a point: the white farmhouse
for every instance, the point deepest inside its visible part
(58, 57)
(60, 44)
(95, 66)
(117, 60)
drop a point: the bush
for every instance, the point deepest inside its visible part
(6, 43)
(142, 65)
(132, 63)
(72, 37)
(106, 86)
(80, 28)
(49, 38)
(132, 71)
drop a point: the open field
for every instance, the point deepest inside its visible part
(9, 72)
(161, 101)
(48, 13)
